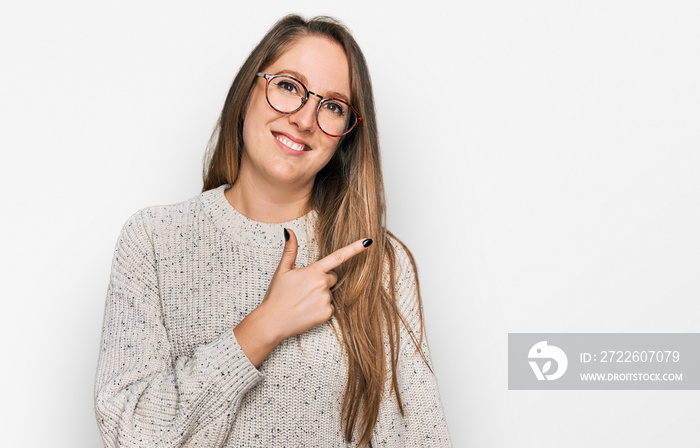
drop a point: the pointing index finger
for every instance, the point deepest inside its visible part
(340, 256)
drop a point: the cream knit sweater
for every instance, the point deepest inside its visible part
(171, 373)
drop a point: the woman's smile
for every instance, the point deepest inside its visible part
(291, 145)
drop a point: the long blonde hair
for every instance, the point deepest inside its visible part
(348, 195)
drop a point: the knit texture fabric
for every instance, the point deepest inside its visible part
(171, 373)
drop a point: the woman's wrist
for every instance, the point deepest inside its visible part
(258, 335)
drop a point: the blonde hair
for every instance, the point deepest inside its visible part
(348, 195)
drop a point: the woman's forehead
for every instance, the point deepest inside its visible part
(318, 62)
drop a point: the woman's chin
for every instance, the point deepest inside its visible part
(288, 176)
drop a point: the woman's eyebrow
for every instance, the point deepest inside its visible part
(297, 75)
(302, 78)
(337, 95)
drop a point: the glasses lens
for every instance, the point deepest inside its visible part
(335, 117)
(285, 93)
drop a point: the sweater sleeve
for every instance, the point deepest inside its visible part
(423, 423)
(144, 397)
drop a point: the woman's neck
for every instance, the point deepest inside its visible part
(262, 202)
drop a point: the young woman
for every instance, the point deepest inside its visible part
(274, 309)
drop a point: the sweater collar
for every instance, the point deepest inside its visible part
(253, 233)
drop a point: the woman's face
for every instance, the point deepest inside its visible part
(272, 140)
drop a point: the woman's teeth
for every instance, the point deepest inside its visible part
(290, 144)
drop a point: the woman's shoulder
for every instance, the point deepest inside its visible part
(404, 270)
(159, 220)
(407, 291)
(404, 263)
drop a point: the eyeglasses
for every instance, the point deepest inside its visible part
(286, 95)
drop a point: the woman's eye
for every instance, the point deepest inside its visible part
(287, 86)
(335, 108)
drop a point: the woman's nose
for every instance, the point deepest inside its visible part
(305, 118)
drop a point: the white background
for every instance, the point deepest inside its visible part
(541, 160)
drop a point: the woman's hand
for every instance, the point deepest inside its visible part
(296, 300)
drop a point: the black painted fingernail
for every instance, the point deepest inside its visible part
(367, 242)
(286, 235)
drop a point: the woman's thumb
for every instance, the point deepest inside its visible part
(289, 255)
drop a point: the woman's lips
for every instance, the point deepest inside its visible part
(287, 142)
